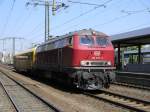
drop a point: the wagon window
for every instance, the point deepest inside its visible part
(86, 40)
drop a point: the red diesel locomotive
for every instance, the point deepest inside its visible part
(82, 58)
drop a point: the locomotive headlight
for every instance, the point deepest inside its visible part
(84, 63)
(87, 63)
(109, 63)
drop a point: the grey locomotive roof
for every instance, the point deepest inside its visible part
(131, 34)
(89, 32)
(80, 32)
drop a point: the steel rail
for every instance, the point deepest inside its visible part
(34, 94)
(116, 100)
(131, 86)
(127, 97)
(10, 98)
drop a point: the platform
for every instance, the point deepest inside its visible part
(141, 79)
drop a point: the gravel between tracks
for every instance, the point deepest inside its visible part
(68, 101)
(78, 102)
(133, 92)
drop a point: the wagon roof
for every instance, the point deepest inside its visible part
(24, 52)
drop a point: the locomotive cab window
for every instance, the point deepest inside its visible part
(101, 41)
(86, 40)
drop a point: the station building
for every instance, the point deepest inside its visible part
(139, 59)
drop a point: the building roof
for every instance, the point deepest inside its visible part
(141, 36)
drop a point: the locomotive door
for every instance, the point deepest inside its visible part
(60, 60)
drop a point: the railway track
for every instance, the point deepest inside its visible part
(122, 101)
(132, 86)
(127, 102)
(5, 102)
(21, 99)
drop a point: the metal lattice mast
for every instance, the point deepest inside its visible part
(13, 42)
(55, 6)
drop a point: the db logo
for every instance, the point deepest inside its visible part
(97, 53)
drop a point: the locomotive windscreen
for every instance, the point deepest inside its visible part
(102, 41)
(99, 41)
(86, 40)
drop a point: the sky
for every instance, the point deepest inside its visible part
(108, 16)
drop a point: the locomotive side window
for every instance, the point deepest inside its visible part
(101, 41)
(69, 41)
(86, 40)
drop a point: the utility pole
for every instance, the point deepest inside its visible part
(55, 6)
(46, 20)
(13, 43)
(13, 51)
(3, 45)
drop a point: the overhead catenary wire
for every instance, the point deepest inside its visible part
(36, 28)
(136, 11)
(8, 17)
(67, 21)
(115, 18)
(82, 14)
(37, 38)
(133, 28)
(79, 23)
(47, 5)
(86, 3)
(20, 20)
(120, 17)
(1, 2)
(128, 13)
(41, 33)
(23, 22)
(37, 35)
(108, 22)
(123, 16)
(144, 5)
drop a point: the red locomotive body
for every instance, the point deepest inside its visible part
(83, 58)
